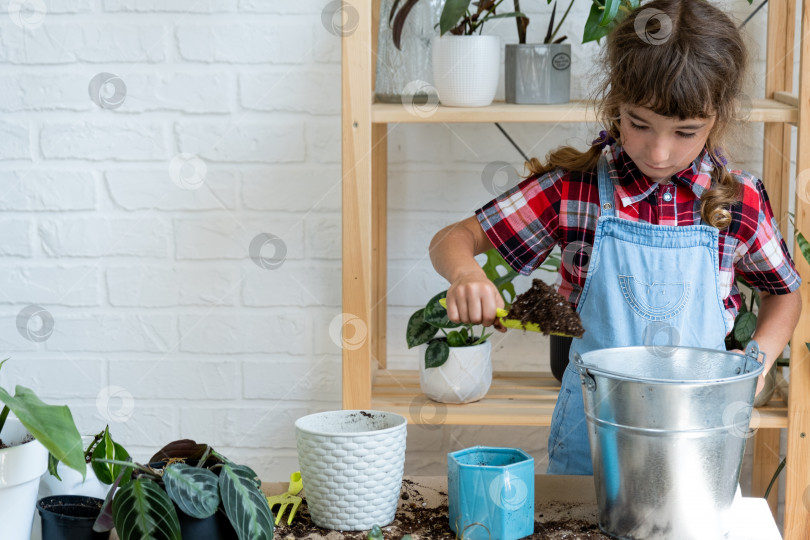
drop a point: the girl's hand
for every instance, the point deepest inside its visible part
(472, 299)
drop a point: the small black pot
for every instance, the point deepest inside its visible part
(216, 527)
(560, 346)
(70, 517)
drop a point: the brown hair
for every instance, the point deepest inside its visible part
(681, 59)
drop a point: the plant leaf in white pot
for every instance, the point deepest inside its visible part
(23, 461)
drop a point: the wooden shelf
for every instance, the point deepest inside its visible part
(514, 399)
(763, 110)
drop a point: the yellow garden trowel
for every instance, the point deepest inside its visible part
(288, 498)
(503, 315)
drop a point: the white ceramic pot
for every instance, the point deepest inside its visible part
(466, 69)
(465, 377)
(20, 469)
(351, 464)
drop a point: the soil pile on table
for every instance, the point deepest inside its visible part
(423, 521)
(543, 306)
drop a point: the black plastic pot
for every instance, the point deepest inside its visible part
(560, 346)
(70, 517)
(216, 527)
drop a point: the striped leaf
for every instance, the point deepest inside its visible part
(194, 490)
(143, 511)
(244, 503)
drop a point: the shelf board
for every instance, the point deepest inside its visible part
(763, 110)
(516, 398)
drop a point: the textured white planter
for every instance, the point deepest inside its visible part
(466, 69)
(465, 377)
(20, 469)
(351, 464)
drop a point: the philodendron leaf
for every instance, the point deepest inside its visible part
(51, 425)
(744, 326)
(193, 489)
(244, 503)
(109, 449)
(436, 315)
(437, 353)
(143, 511)
(419, 331)
(452, 13)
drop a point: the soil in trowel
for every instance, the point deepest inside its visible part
(543, 306)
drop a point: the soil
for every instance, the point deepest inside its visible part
(543, 306)
(28, 438)
(423, 521)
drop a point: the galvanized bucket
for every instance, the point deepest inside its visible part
(667, 428)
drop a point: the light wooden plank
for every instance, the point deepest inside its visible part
(763, 110)
(379, 251)
(766, 460)
(797, 477)
(515, 398)
(357, 287)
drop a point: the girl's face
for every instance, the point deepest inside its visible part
(661, 146)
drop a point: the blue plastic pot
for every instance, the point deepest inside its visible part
(490, 493)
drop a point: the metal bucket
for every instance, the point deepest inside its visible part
(667, 429)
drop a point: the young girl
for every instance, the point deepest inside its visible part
(651, 224)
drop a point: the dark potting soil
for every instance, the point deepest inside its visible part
(85, 508)
(28, 438)
(423, 522)
(544, 306)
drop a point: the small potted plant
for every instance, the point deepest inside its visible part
(457, 366)
(25, 441)
(69, 503)
(466, 64)
(538, 72)
(187, 490)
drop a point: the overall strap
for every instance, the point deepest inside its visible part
(606, 196)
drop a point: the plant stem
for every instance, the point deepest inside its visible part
(3, 417)
(559, 24)
(775, 476)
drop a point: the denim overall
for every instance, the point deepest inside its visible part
(654, 285)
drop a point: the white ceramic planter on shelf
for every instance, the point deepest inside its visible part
(465, 377)
(20, 469)
(466, 69)
(351, 464)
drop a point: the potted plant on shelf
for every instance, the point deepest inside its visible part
(466, 64)
(68, 503)
(457, 366)
(25, 441)
(216, 498)
(538, 73)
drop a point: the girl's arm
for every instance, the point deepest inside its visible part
(777, 318)
(471, 298)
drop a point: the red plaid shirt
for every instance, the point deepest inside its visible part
(561, 208)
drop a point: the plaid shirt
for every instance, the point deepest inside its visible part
(561, 208)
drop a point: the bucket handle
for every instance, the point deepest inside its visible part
(752, 356)
(585, 376)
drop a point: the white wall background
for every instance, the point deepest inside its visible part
(163, 326)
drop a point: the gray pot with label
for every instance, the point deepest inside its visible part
(537, 73)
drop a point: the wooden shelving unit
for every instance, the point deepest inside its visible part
(527, 399)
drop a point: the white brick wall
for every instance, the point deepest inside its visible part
(163, 325)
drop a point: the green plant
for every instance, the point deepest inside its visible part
(51, 425)
(197, 479)
(425, 323)
(523, 23)
(456, 17)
